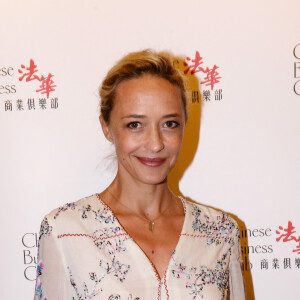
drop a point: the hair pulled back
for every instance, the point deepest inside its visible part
(135, 65)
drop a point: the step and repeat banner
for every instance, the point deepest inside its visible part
(241, 61)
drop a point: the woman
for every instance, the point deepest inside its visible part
(136, 240)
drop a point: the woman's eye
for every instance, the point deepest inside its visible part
(133, 125)
(171, 124)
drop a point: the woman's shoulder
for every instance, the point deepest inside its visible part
(206, 220)
(73, 208)
(89, 209)
(89, 217)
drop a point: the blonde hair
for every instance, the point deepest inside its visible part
(135, 65)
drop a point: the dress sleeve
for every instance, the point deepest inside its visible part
(236, 281)
(52, 279)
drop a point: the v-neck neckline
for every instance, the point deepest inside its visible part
(160, 279)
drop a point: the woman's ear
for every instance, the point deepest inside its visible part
(105, 129)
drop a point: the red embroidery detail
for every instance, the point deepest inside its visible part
(74, 234)
(166, 288)
(158, 293)
(90, 236)
(207, 236)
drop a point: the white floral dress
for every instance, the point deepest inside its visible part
(84, 253)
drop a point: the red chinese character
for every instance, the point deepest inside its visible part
(288, 236)
(195, 67)
(30, 75)
(211, 77)
(47, 85)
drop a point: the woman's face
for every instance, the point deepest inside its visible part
(146, 126)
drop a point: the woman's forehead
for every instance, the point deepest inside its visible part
(146, 92)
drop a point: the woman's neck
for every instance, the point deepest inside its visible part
(148, 200)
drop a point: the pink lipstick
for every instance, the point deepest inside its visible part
(151, 162)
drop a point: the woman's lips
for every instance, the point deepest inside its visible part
(151, 162)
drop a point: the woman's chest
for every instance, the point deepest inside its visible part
(117, 267)
(157, 240)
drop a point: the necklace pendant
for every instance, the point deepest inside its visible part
(151, 226)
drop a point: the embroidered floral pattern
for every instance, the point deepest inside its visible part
(107, 232)
(117, 269)
(114, 297)
(46, 229)
(84, 210)
(65, 207)
(118, 297)
(215, 231)
(38, 288)
(111, 239)
(102, 215)
(107, 269)
(199, 277)
(86, 293)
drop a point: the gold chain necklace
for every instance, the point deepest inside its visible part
(150, 222)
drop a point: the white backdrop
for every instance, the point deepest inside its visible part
(241, 156)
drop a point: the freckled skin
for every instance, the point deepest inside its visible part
(146, 126)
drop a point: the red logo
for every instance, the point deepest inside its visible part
(195, 65)
(287, 235)
(29, 74)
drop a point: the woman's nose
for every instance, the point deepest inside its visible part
(154, 140)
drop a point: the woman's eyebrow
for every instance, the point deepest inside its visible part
(135, 116)
(175, 115)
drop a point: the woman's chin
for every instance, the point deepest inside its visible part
(153, 180)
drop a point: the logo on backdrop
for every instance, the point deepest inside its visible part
(209, 78)
(30, 245)
(40, 88)
(296, 53)
(28, 73)
(263, 256)
(288, 235)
